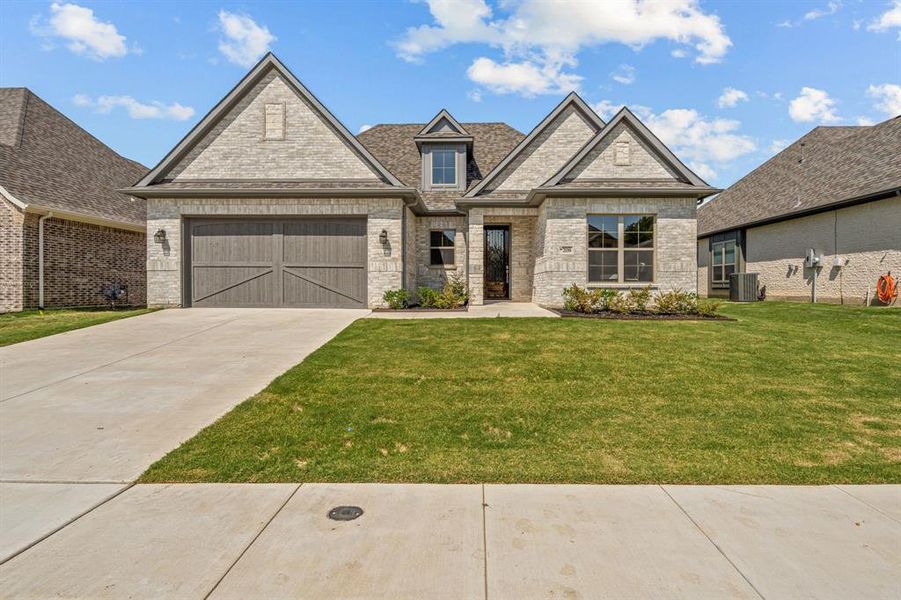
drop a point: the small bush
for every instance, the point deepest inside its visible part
(428, 298)
(621, 303)
(579, 299)
(676, 302)
(639, 298)
(607, 296)
(396, 298)
(707, 308)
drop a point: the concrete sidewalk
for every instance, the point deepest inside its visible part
(473, 541)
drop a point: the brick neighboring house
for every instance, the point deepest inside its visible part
(271, 201)
(836, 191)
(59, 182)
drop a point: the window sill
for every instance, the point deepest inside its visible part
(622, 286)
(443, 267)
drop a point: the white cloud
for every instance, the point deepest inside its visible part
(777, 146)
(679, 53)
(537, 58)
(865, 121)
(730, 97)
(831, 8)
(364, 128)
(245, 40)
(136, 109)
(695, 138)
(888, 96)
(812, 105)
(525, 78)
(624, 74)
(474, 94)
(81, 30)
(890, 19)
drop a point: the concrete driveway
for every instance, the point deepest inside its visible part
(98, 405)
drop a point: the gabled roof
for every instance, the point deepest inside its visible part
(446, 116)
(827, 168)
(264, 66)
(572, 99)
(625, 116)
(394, 146)
(47, 162)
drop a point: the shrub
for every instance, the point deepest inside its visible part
(396, 298)
(639, 298)
(621, 303)
(707, 308)
(606, 296)
(428, 298)
(579, 299)
(676, 302)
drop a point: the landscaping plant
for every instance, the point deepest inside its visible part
(396, 298)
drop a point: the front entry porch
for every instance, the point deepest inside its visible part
(501, 259)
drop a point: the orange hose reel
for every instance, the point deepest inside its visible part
(885, 288)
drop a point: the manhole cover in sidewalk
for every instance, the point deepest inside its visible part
(345, 513)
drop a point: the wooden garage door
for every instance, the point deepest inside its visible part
(310, 262)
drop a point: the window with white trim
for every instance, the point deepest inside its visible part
(441, 247)
(722, 261)
(621, 248)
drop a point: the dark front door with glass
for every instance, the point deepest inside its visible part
(497, 262)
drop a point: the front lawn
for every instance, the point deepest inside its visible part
(32, 324)
(789, 393)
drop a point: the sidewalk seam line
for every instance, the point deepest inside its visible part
(484, 541)
(252, 542)
(710, 539)
(865, 503)
(124, 358)
(67, 523)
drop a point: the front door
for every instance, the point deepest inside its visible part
(497, 262)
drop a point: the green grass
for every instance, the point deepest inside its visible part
(33, 324)
(788, 393)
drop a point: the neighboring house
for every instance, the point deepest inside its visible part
(835, 192)
(270, 201)
(65, 232)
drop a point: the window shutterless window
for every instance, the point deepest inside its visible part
(620, 249)
(444, 166)
(722, 261)
(441, 247)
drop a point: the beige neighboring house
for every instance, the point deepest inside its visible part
(835, 195)
(271, 201)
(66, 233)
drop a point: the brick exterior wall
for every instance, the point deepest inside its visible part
(12, 222)
(546, 154)
(865, 237)
(80, 259)
(562, 244)
(600, 162)
(164, 265)
(432, 276)
(236, 148)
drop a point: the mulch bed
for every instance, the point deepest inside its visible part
(636, 316)
(410, 309)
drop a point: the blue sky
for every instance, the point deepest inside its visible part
(725, 84)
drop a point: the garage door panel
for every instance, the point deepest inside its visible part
(320, 286)
(302, 262)
(233, 242)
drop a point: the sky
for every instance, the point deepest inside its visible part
(724, 84)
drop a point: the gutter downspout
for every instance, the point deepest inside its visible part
(41, 259)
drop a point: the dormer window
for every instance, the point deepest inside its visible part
(444, 166)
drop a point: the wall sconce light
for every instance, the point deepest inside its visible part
(160, 236)
(383, 237)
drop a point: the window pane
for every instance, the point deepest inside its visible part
(437, 175)
(730, 253)
(602, 266)
(730, 269)
(718, 273)
(638, 231)
(435, 238)
(717, 254)
(444, 166)
(447, 238)
(442, 256)
(602, 231)
(638, 266)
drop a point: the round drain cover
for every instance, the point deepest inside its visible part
(345, 513)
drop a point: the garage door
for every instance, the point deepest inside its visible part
(310, 262)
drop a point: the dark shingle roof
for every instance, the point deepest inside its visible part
(394, 147)
(839, 163)
(49, 161)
